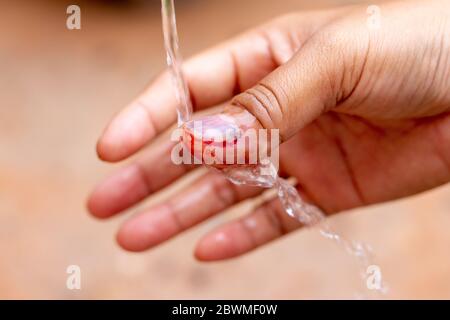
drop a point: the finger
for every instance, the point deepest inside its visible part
(209, 195)
(153, 171)
(312, 82)
(269, 221)
(213, 77)
(266, 223)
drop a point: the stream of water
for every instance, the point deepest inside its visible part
(309, 215)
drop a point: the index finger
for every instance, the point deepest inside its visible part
(213, 77)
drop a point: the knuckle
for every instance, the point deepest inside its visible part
(263, 102)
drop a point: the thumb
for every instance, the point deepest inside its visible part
(294, 94)
(299, 91)
(321, 74)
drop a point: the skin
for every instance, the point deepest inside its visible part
(364, 115)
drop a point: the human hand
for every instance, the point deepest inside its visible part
(363, 114)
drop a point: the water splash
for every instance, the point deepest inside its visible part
(309, 215)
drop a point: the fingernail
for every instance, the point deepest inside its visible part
(220, 130)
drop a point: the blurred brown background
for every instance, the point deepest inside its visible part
(59, 87)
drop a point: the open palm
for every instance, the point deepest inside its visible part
(383, 137)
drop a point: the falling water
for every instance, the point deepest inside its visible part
(174, 61)
(309, 215)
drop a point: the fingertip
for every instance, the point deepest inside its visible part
(127, 133)
(200, 253)
(137, 234)
(216, 246)
(95, 204)
(106, 152)
(93, 208)
(109, 146)
(147, 230)
(220, 139)
(118, 192)
(128, 241)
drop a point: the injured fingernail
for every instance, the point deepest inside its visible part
(219, 132)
